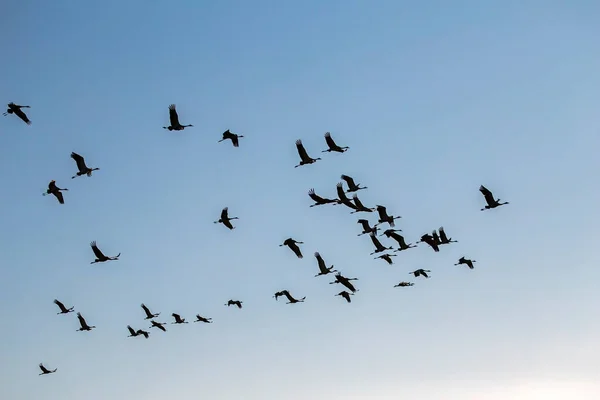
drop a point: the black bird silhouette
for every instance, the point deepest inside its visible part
(466, 261)
(159, 325)
(343, 199)
(134, 333)
(332, 145)
(233, 137)
(345, 295)
(56, 191)
(174, 119)
(443, 238)
(378, 246)
(323, 270)
(352, 187)
(63, 309)
(366, 227)
(404, 284)
(384, 217)
(16, 109)
(83, 169)
(178, 319)
(143, 332)
(292, 244)
(234, 303)
(391, 233)
(291, 299)
(430, 240)
(100, 257)
(319, 201)
(387, 258)
(200, 318)
(489, 199)
(46, 371)
(436, 237)
(420, 272)
(84, 325)
(225, 219)
(149, 315)
(304, 157)
(360, 207)
(339, 278)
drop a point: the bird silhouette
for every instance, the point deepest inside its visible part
(343, 199)
(159, 325)
(360, 207)
(83, 324)
(420, 272)
(63, 309)
(339, 278)
(83, 169)
(378, 246)
(46, 371)
(231, 136)
(387, 258)
(149, 315)
(225, 218)
(489, 199)
(291, 299)
(178, 319)
(466, 261)
(234, 303)
(430, 240)
(404, 284)
(56, 191)
(16, 109)
(304, 157)
(345, 295)
(100, 257)
(174, 119)
(391, 233)
(384, 217)
(134, 333)
(352, 186)
(319, 201)
(200, 318)
(444, 238)
(332, 145)
(323, 270)
(366, 227)
(293, 245)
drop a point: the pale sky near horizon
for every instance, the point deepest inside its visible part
(433, 98)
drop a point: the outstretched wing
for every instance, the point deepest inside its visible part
(442, 233)
(358, 203)
(375, 241)
(315, 197)
(97, 251)
(330, 141)
(225, 214)
(173, 115)
(489, 197)
(60, 305)
(382, 212)
(146, 310)
(340, 191)
(301, 150)
(81, 320)
(348, 180)
(235, 141)
(59, 196)
(131, 330)
(80, 162)
(19, 113)
(44, 369)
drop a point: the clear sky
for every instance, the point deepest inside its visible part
(433, 98)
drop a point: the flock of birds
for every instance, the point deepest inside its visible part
(434, 240)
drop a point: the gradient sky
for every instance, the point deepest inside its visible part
(434, 99)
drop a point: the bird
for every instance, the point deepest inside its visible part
(346, 295)
(200, 318)
(339, 278)
(360, 207)
(304, 157)
(443, 238)
(291, 299)
(404, 284)
(225, 219)
(100, 257)
(466, 261)
(149, 315)
(436, 237)
(323, 270)
(489, 199)
(343, 199)
(174, 119)
(159, 325)
(16, 109)
(319, 201)
(134, 333)
(430, 241)
(233, 137)
(384, 217)
(332, 145)
(63, 309)
(387, 258)
(391, 233)
(378, 246)
(234, 303)
(83, 169)
(420, 272)
(46, 371)
(143, 332)
(352, 187)
(366, 227)
(56, 191)
(178, 319)
(293, 245)
(84, 325)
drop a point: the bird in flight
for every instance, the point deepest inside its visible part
(56, 191)
(83, 169)
(489, 199)
(174, 119)
(16, 109)
(100, 257)
(231, 136)
(63, 309)
(225, 219)
(46, 371)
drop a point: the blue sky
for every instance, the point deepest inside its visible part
(433, 99)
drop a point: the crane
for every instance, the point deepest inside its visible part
(444, 238)
(332, 145)
(83, 324)
(63, 309)
(339, 278)
(159, 325)
(384, 217)
(293, 245)
(149, 315)
(319, 201)
(343, 199)
(352, 187)
(234, 303)
(346, 295)
(231, 136)
(178, 319)
(291, 299)
(378, 246)
(404, 284)
(366, 227)
(100, 257)
(16, 109)
(304, 157)
(387, 258)
(391, 233)
(46, 371)
(225, 219)
(134, 333)
(56, 191)
(174, 119)
(200, 318)
(420, 272)
(323, 270)
(430, 240)
(360, 207)
(489, 199)
(83, 169)
(466, 261)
